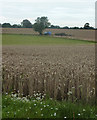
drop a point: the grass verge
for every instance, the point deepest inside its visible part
(16, 107)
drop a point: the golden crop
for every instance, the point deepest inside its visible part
(62, 72)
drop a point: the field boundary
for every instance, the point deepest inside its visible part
(71, 33)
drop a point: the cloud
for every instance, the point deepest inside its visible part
(47, 1)
(58, 11)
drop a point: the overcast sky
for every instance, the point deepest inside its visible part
(60, 12)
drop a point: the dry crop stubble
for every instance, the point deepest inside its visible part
(62, 72)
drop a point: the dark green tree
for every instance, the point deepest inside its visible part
(6, 25)
(56, 27)
(26, 24)
(86, 26)
(16, 26)
(0, 25)
(40, 24)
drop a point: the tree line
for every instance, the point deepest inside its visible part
(27, 24)
(40, 24)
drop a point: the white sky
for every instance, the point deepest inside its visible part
(60, 12)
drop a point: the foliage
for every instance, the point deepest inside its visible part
(56, 27)
(16, 26)
(26, 24)
(87, 26)
(40, 27)
(17, 107)
(6, 25)
(40, 24)
(0, 25)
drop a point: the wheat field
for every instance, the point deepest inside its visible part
(62, 72)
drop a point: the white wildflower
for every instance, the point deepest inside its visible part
(40, 102)
(79, 114)
(44, 105)
(56, 108)
(18, 110)
(41, 114)
(34, 104)
(54, 114)
(84, 110)
(38, 98)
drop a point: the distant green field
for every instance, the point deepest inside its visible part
(12, 39)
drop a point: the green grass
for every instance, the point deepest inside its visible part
(12, 39)
(13, 107)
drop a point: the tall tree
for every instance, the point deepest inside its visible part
(40, 24)
(26, 24)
